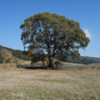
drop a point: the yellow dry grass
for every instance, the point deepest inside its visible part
(23, 84)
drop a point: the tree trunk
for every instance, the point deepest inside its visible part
(49, 58)
(56, 66)
(50, 63)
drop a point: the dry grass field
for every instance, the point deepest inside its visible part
(64, 84)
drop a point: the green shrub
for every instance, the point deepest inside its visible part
(19, 66)
(7, 61)
(93, 67)
(96, 67)
(57, 63)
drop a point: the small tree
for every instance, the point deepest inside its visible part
(44, 60)
(52, 35)
(57, 63)
(8, 60)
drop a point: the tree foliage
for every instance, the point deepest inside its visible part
(52, 34)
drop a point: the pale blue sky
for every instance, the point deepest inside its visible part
(14, 12)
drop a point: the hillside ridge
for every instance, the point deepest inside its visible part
(11, 55)
(17, 55)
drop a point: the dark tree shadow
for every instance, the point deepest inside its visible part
(36, 67)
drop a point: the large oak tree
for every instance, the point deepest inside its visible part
(51, 35)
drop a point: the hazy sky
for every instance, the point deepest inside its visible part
(14, 12)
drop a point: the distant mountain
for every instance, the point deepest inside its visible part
(86, 59)
(82, 59)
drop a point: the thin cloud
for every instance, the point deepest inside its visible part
(81, 55)
(95, 56)
(86, 31)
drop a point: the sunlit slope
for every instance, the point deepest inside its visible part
(11, 55)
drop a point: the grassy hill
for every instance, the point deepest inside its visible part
(11, 55)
